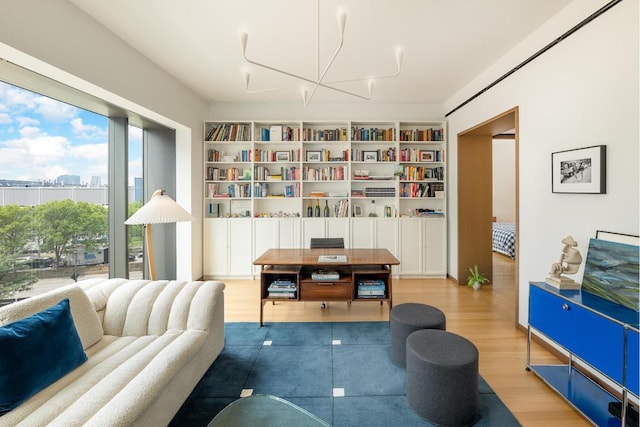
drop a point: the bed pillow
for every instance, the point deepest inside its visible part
(37, 351)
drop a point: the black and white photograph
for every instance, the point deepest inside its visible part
(370, 156)
(313, 156)
(580, 170)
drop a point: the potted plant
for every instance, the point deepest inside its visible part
(476, 279)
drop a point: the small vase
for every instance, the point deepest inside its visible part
(476, 286)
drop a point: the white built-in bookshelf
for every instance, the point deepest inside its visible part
(277, 184)
(284, 168)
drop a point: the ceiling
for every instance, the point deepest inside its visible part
(445, 43)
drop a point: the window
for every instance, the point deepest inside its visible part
(54, 193)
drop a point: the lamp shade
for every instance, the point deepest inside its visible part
(161, 209)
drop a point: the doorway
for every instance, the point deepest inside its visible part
(475, 195)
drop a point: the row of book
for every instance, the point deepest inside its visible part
(372, 134)
(325, 155)
(419, 173)
(380, 155)
(231, 174)
(432, 134)
(380, 191)
(290, 190)
(262, 173)
(229, 132)
(278, 133)
(417, 190)
(371, 288)
(418, 155)
(329, 173)
(282, 289)
(338, 134)
(277, 155)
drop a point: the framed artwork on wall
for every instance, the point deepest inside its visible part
(581, 170)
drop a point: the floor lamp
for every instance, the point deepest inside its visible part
(161, 209)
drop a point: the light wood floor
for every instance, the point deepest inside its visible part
(486, 317)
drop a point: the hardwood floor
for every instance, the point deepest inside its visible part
(486, 317)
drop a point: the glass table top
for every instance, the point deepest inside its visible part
(265, 410)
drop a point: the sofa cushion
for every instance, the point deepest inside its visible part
(85, 317)
(37, 351)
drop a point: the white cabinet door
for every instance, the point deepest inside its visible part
(410, 246)
(363, 233)
(215, 247)
(435, 241)
(289, 232)
(240, 243)
(265, 236)
(338, 227)
(312, 227)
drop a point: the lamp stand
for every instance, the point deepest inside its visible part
(147, 235)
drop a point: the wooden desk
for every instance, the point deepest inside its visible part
(364, 276)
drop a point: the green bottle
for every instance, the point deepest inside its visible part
(326, 208)
(317, 207)
(310, 209)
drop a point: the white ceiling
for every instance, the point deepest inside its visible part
(446, 43)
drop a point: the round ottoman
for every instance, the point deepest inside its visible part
(407, 318)
(442, 377)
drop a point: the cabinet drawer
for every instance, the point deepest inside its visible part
(593, 338)
(325, 290)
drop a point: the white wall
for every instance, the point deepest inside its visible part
(583, 92)
(297, 111)
(55, 39)
(504, 180)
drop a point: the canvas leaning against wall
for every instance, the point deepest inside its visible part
(611, 272)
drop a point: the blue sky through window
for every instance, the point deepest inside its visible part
(42, 139)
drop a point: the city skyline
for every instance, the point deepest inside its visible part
(42, 139)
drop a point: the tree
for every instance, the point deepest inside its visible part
(135, 232)
(63, 224)
(15, 231)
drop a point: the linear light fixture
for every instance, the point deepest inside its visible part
(310, 86)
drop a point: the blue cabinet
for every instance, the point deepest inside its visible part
(601, 334)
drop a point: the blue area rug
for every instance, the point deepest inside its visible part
(305, 362)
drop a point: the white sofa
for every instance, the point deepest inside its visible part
(148, 344)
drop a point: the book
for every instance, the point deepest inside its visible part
(332, 258)
(325, 275)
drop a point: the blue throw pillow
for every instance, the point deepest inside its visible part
(37, 351)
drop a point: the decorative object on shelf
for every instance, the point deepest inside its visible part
(372, 212)
(569, 263)
(282, 156)
(581, 170)
(310, 209)
(317, 212)
(370, 156)
(310, 85)
(476, 279)
(313, 156)
(357, 209)
(326, 208)
(161, 209)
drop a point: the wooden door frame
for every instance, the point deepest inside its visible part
(475, 198)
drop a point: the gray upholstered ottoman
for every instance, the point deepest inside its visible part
(442, 377)
(407, 318)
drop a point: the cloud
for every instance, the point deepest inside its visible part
(55, 111)
(27, 121)
(5, 119)
(99, 152)
(88, 132)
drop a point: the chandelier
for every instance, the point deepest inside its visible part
(311, 85)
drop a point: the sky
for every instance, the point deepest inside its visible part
(41, 139)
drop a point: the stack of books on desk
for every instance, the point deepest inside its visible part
(282, 289)
(371, 288)
(325, 275)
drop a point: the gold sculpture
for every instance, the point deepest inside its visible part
(569, 263)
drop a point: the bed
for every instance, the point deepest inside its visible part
(504, 238)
